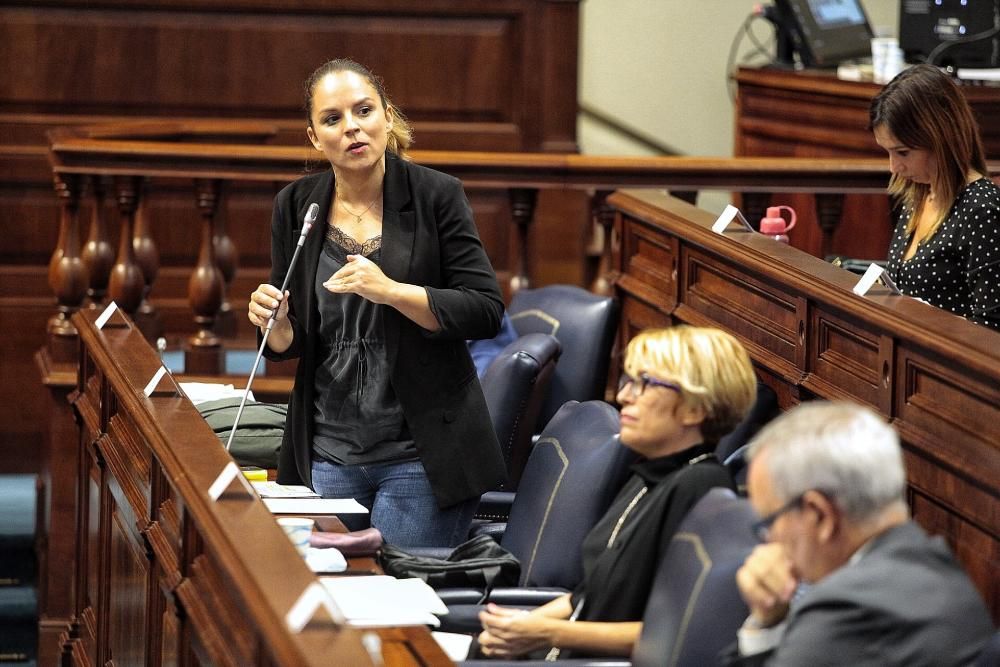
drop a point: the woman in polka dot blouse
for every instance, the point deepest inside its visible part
(946, 245)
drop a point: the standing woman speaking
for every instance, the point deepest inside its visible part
(946, 245)
(386, 406)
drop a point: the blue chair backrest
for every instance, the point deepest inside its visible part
(695, 607)
(585, 324)
(574, 472)
(515, 385)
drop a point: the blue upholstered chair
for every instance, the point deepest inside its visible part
(731, 449)
(694, 608)
(19, 512)
(515, 385)
(585, 324)
(573, 473)
(990, 655)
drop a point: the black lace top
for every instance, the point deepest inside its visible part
(958, 268)
(358, 417)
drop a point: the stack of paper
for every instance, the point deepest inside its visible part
(314, 506)
(378, 601)
(274, 490)
(202, 392)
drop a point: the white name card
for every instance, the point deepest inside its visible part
(103, 318)
(725, 218)
(313, 597)
(729, 214)
(225, 478)
(871, 275)
(157, 376)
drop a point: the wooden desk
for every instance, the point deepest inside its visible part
(935, 376)
(166, 575)
(782, 113)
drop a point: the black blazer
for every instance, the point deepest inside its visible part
(429, 238)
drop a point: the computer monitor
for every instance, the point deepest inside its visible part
(923, 26)
(825, 33)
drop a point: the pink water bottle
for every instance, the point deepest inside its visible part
(773, 224)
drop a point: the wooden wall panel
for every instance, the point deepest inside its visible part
(471, 75)
(127, 593)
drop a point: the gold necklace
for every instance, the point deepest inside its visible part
(639, 496)
(621, 519)
(357, 216)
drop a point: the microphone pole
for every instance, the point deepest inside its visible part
(307, 225)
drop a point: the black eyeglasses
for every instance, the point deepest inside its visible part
(762, 528)
(638, 385)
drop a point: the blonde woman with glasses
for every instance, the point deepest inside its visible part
(683, 389)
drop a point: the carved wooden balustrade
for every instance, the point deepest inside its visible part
(120, 162)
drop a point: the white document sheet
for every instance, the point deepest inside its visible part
(201, 392)
(378, 601)
(455, 646)
(309, 506)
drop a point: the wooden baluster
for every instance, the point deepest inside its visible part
(98, 253)
(67, 273)
(603, 224)
(204, 353)
(126, 282)
(226, 258)
(755, 206)
(829, 210)
(522, 209)
(148, 258)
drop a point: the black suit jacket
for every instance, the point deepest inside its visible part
(429, 239)
(906, 602)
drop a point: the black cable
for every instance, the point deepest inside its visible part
(932, 57)
(759, 49)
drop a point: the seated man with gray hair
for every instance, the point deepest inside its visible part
(828, 481)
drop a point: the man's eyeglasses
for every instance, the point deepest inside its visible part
(638, 385)
(762, 528)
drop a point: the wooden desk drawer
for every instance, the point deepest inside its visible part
(770, 321)
(649, 257)
(848, 360)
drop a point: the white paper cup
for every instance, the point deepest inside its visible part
(887, 58)
(298, 530)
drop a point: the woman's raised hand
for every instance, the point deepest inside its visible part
(263, 302)
(363, 277)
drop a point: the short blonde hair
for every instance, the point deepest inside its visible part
(710, 365)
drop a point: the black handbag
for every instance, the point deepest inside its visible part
(480, 563)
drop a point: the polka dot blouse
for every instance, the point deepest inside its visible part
(958, 268)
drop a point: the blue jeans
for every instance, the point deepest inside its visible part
(399, 497)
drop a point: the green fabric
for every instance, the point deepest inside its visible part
(258, 436)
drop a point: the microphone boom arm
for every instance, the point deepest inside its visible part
(307, 225)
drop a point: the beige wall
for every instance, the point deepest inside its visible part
(659, 66)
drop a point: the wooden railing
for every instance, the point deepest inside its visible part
(168, 569)
(935, 376)
(117, 164)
